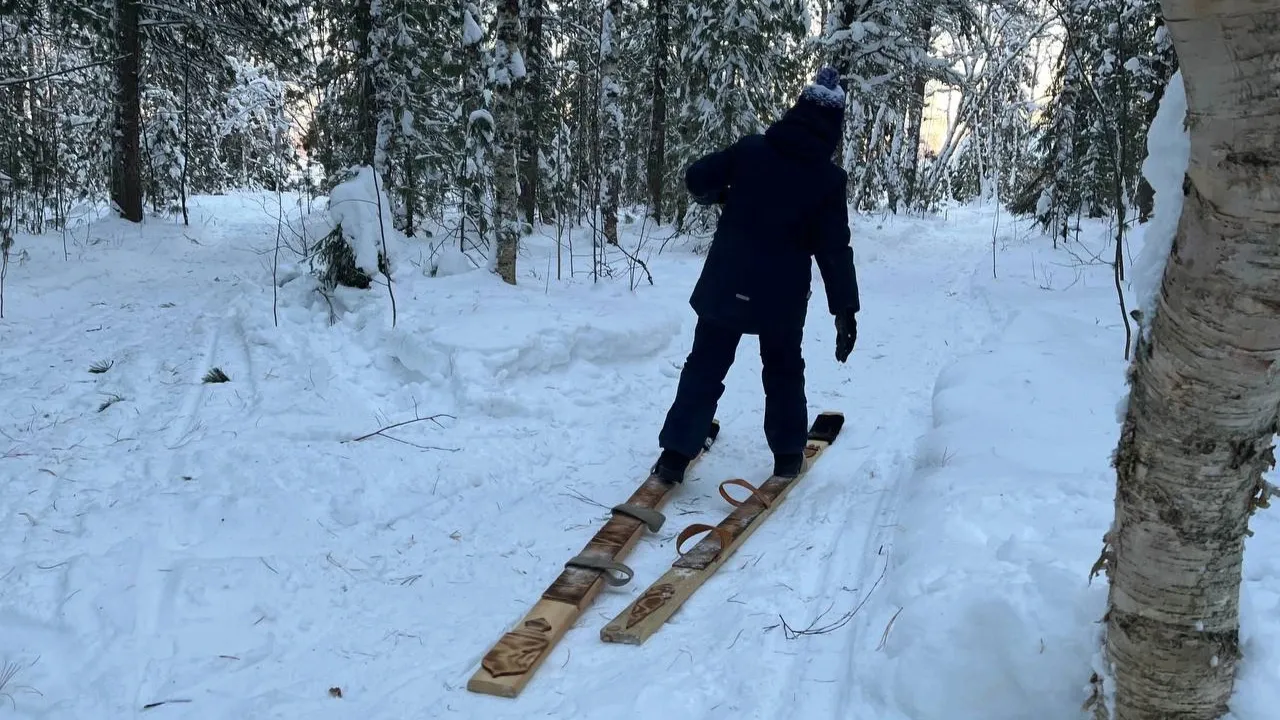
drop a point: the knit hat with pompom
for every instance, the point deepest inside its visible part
(825, 90)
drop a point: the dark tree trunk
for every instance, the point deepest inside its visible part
(186, 136)
(915, 119)
(368, 117)
(506, 114)
(535, 110)
(410, 195)
(656, 161)
(126, 166)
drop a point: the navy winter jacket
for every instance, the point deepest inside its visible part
(784, 201)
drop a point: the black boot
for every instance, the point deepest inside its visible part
(788, 464)
(671, 466)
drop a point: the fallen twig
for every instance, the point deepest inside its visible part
(579, 496)
(393, 426)
(791, 633)
(383, 432)
(885, 637)
(158, 703)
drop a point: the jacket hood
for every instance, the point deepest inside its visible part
(808, 131)
(811, 128)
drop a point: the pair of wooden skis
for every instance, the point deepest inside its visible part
(509, 665)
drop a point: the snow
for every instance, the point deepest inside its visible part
(517, 64)
(471, 32)
(1168, 151)
(361, 208)
(480, 116)
(451, 261)
(232, 550)
(606, 33)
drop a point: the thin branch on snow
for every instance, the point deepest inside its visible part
(579, 496)
(10, 670)
(884, 638)
(158, 703)
(383, 432)
(791, 633)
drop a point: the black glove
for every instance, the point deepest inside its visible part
(846, 334)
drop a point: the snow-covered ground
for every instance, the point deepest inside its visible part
(232, 551)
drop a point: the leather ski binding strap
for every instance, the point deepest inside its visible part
(742, 483)
(607, 567)
(650, 517)
(721, 534)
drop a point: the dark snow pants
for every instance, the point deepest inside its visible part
(786, 414)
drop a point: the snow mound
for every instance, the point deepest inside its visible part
(1000, 525)
(450, 261)
(468, 336)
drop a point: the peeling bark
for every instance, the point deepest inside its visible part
(1204, 387)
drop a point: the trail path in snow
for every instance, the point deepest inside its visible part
(221, 543)
(726, 652)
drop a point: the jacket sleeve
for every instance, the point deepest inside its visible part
(834, 253)
(708, 178)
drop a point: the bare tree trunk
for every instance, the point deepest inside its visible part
(186, 137)
(369, 111)
(411, 192)
(915, 121)
(611, 158)
(509, 75)
(533, 123)
(473, 226)
(8, 217)
(656, 161)
(1203, 388)
(126, 181)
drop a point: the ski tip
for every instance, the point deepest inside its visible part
(827, 426)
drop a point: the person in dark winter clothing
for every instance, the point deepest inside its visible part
(783, 201)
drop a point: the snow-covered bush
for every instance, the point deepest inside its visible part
(354, 250)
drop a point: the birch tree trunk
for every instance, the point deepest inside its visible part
(509, 75)
(611, 155)
(1204, 386)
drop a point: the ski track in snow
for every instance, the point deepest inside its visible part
(230, 549)
(180, 499)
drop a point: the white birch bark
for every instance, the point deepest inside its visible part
(1205, 389)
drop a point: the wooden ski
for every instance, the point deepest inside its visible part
(649, 612)
(512, 661)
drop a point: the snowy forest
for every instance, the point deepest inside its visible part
(236, 481)
(484, 118)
